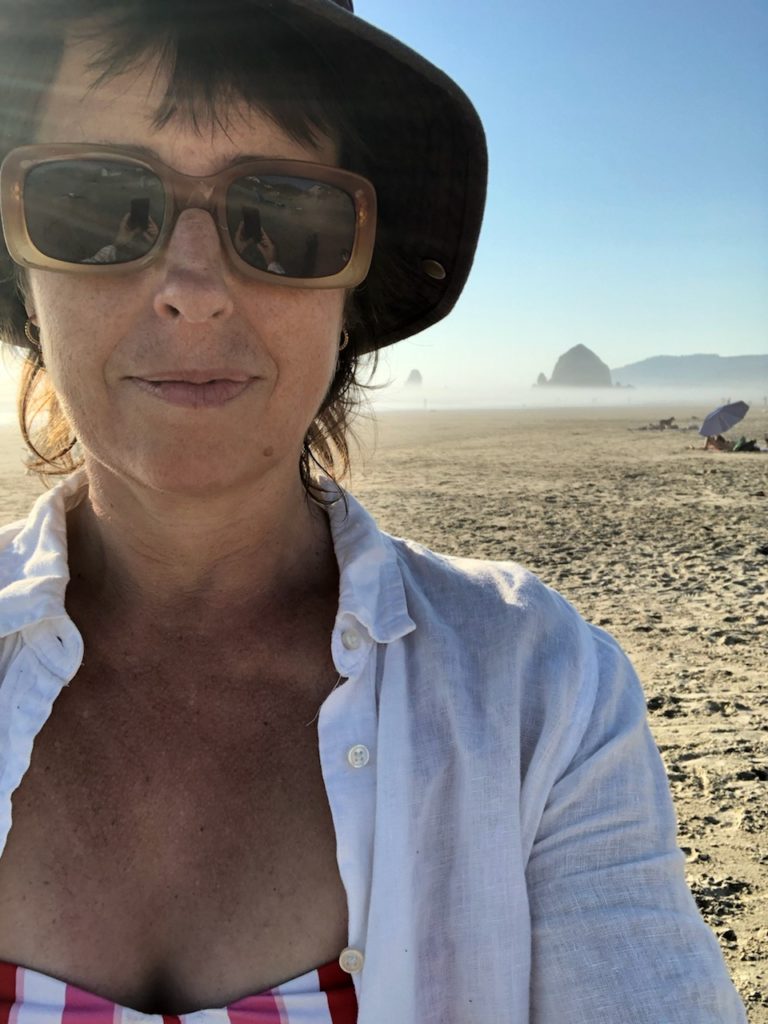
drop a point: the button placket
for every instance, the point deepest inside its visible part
(347, 736)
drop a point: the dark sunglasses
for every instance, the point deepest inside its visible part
(106, 209)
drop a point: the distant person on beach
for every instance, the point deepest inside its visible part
(258, 758)
(718, 444)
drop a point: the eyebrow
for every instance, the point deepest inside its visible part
(150, 152)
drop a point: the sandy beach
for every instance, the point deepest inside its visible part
(661, 543)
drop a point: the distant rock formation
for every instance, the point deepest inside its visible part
(541, 380)
(579, 367)
(697, 371)
(414, 379)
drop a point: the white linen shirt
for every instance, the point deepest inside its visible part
(505, 833)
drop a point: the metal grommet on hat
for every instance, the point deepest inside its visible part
(433, 269)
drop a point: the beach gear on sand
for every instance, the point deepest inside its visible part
(723, 418)
(743, 445)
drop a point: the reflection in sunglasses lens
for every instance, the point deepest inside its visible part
(296, 226)
(107, 211)
(93, 211)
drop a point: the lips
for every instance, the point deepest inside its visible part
(201, 376)
(208, 392)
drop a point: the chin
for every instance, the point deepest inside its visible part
(198, 483)
(201, 477)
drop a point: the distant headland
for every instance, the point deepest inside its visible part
(700, 370)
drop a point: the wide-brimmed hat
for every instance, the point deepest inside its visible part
(428, 164)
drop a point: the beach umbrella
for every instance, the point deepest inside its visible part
(723, 418)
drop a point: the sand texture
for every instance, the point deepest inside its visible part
(661, 543)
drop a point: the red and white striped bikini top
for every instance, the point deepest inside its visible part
(322, 996)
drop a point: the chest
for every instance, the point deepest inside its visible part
(172, 845)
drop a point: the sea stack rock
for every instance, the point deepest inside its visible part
(414, 379)
(580, 367)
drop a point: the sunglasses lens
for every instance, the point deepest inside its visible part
(304, 227)
(93, 211)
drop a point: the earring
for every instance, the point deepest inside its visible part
(34, 341)
(345, 336)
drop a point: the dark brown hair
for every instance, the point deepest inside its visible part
(215, 52)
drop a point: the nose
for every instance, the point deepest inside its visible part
(193, 287)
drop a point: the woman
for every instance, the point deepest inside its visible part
(453, 811)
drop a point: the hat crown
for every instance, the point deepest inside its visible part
(346, 4)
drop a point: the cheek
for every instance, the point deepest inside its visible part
(64, 308)
(302, 380)
(73, 345)
(305, 346)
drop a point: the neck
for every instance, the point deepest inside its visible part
(153, 558)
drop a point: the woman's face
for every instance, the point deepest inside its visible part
(189, 313)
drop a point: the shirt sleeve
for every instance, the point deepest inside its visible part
(617, 937)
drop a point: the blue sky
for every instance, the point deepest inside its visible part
(628, 192)
(628, 195)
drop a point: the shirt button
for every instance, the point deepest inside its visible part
(351, 960)
(359, 755)
(351, 639)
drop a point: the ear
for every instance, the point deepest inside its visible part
(29, 308)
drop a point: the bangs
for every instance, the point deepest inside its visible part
(214, 60)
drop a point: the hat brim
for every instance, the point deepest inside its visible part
(428, 163)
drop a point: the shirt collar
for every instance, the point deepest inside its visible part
(35, 561)
(371, 587)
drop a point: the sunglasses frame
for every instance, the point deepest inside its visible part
(184, 192)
